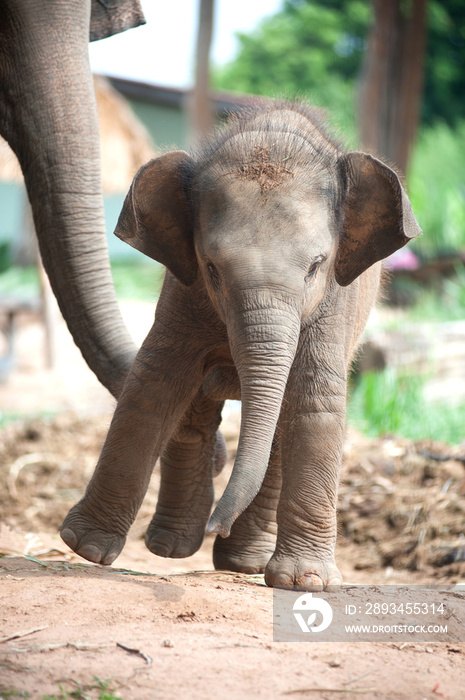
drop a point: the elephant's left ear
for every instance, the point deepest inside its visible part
(377, 217)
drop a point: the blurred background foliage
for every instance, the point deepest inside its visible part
(311, 48)
(316, 48)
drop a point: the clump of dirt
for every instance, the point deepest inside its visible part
(401, 504)
(45, 465)
(262, 170)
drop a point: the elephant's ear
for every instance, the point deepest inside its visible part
(156, 218)
(108, 17)
(377, 217)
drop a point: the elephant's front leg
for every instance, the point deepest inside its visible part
(195, 452)
(312, 443)
(160, 387)
(253, 536)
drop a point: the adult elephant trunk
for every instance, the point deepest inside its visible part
(48, 116)
(263, 343)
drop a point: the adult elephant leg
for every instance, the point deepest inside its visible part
(48, 115)
(253, 536)
(162, 384)
(313, 430)
(188, 463)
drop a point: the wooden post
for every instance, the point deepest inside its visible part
(201, 112)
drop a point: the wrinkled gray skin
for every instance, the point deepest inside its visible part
(271, 236)
(48, 116)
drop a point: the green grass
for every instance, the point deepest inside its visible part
(133, 281)
(436, 187)
(388, 403)
(99, 690)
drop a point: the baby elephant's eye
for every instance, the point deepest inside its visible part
(214, 274)
(312, 270)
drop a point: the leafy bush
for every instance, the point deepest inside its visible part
(312, 49)
(436, 186)
(388, 403)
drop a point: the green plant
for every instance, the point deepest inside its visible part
(436, 186)
(105, 692)
(62, 696)
(393, 403)
(139, 281)
(309, 48)
(381, 401)
(81, 692)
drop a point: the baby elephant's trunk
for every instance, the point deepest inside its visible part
(263, 344)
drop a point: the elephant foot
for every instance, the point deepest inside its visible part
(244, 557)
(174, 543)
(307, 574)
(90, 540)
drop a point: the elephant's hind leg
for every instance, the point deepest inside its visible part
(194, 454)
(253, 535)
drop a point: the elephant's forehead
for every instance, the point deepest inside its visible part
(236, 210)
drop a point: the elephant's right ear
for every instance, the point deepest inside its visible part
(156, 219)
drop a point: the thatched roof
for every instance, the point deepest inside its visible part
(124, 142)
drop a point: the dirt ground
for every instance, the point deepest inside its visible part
(149, 627)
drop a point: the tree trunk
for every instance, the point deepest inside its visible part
(392, 80)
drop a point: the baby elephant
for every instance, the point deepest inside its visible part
(272, 237)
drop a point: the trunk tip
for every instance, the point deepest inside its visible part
(216, 527)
